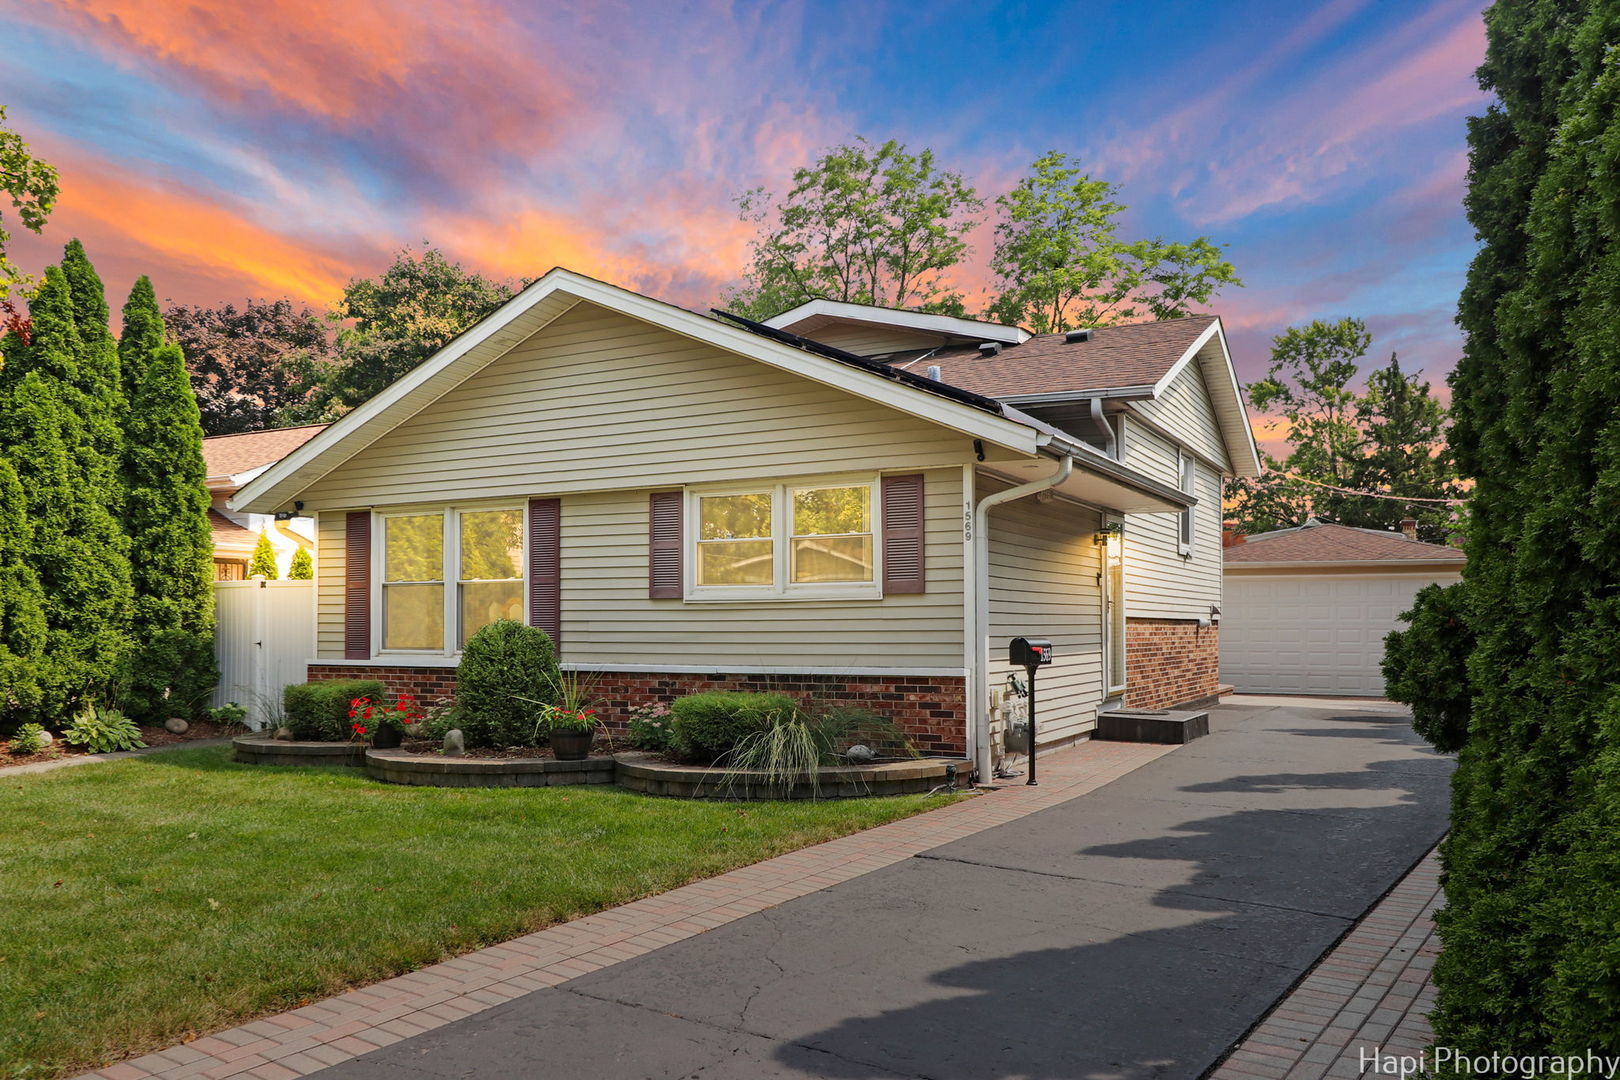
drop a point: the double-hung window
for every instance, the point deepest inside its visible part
(777, 541)
(445, 574)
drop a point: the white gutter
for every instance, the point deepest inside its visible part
(978, 666)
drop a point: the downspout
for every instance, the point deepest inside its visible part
(979, 669)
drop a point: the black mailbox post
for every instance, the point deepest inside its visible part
(1030, 654)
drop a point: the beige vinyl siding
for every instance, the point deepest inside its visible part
(1160, 583)
(1043, 583)
(864, 340)
(1186, 412)
(608, 618)
(601, 401)
(329, 571)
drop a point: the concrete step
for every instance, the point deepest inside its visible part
(1140, 726)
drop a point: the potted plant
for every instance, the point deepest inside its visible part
(571, 731)
(385, 723)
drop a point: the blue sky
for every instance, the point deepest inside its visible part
(281, 147)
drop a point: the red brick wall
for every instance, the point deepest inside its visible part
(1169, 662)
(932, 711)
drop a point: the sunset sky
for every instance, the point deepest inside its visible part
(279, 147)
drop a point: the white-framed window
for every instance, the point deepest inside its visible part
(803, 540)
(443, 573)
(1187, 469)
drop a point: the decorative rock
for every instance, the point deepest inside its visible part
(176, 725)
(283, 734)
(455, 743)
(45, 739)
(859, 754)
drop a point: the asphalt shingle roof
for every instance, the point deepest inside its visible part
(1324, 542)
(228, 455)
(1138, 354)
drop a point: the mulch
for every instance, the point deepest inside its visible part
(154, 735)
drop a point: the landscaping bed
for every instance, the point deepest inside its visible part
(437, 770)
(151, 735)
(158, 898)
(657, 774)
(262, 749)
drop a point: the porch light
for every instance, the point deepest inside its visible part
(1109, 534)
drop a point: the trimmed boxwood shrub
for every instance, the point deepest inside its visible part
(503, 664)
(320, 709)
(710, 723)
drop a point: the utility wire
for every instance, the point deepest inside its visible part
(1369, 494)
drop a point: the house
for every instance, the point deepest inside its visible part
(846, 503)
(233, 460)
(1307, 609)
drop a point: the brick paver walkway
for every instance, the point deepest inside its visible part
(1371, 993)
(358, 1022)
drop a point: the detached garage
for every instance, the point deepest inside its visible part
(1305, 610)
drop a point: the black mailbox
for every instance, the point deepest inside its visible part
(1029, 652)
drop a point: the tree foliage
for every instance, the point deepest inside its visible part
(30, 185)
(78, 548)
(252, 367)
(1531, 927)
(172, 671)
(865, 224)
(1060, 262)
(302, 567)
(22, 608)
(393, 322)
(1388, 438)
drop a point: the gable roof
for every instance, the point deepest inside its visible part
(1323, 542)
(1101, 480)
(231, 455)
(228, 534)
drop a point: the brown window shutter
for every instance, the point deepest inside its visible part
(545, 567)
(357, 585)
(904, 558)
(664, 545)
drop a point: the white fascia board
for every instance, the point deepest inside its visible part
(908, 320)
(263, 494)
(1222, 383)
(1058, 397)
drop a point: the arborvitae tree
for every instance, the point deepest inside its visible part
(263, 563)
(171, 556)
(142, 334)
(1531, 927)
(97, 379)
(302, 567)
(22, 607)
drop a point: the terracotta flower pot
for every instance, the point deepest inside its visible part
(571, 745)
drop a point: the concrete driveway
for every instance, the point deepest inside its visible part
(1137, 931)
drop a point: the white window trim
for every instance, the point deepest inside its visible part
(452, 562)
(1187, 479)
(781, 588)
(1114, 614)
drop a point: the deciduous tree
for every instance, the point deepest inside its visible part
(1060, 263)
(31, 187)
(865, 224)
(252, 367)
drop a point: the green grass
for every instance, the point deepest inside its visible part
(146, 901)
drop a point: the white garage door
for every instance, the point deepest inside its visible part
(1312, 633)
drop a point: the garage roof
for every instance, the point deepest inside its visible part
(1323, 542)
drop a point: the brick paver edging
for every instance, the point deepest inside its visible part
(327, 1032)
(1370, 993)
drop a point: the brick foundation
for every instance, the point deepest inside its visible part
(1170, 662)
(931, 710)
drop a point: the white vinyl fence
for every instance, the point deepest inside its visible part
(264, 636)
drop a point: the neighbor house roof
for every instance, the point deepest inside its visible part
(1136, 356)
(232, 455)
(229, 535)
(1323, 542)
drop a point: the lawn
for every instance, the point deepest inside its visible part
(146, 901)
